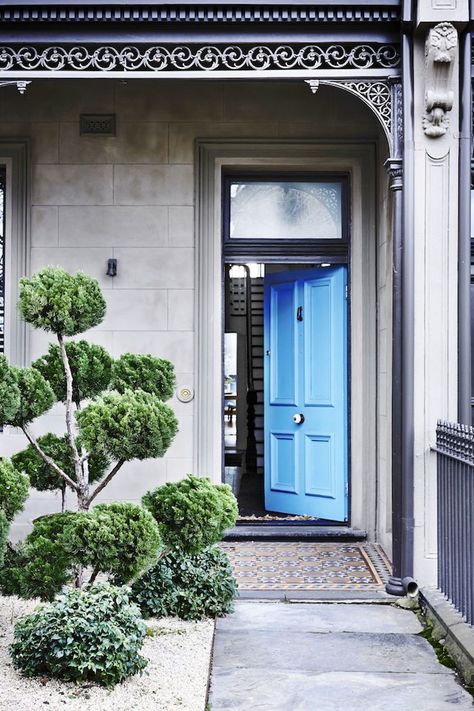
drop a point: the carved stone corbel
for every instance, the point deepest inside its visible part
(440, 54)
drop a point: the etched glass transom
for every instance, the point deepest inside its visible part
(285, 210)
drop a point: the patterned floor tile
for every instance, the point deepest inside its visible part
(308, 566)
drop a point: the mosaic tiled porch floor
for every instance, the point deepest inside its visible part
(308, 566)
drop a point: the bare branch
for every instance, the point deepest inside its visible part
(105, 481)
(69, 424)
(50, 462)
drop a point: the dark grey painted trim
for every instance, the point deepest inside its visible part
(403, 353)
(464, 246)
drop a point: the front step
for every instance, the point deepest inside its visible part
(295, 532)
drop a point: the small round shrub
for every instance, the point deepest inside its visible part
(144, 372)
(9, 393)
(42, 477)
(92, 634)
(193, 513)
(4, 528)
(132, 425)
(188, 586)
(13, 489)
(119, 539)
(66, 304)
(91, 368)
(36, 396)
(11, 571)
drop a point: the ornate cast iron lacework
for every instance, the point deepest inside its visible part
(205, 58)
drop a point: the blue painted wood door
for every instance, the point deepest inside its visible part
(305, 374)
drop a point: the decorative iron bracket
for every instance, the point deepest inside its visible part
(383, 97)
(20, 85)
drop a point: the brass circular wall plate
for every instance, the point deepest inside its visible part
(185, 394)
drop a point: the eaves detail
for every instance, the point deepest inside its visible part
(189, 14)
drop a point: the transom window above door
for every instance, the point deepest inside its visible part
(296, 208)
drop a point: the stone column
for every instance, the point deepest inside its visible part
(435, 255)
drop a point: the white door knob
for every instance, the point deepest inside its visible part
(298, 419)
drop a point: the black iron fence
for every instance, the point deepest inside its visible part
(455, 458)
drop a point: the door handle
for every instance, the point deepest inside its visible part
(298, 419)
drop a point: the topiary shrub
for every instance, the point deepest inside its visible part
(187, 586)
(91, 369)
(13, 489)
(41, 476)
(193, 513)
(119, 539)
(92, 634)
(150, 425)
(66, 304)
(144, 372)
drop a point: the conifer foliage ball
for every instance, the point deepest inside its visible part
(63, 303)
(9, 393)
(118, 539)
(193, 513)
(132, 425)
(91, 369)
(41, 476)
(13, 489)
(36, 396)
(145, 372)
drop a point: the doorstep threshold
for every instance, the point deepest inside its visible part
(306, 533)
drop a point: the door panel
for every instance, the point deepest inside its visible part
(305, 374)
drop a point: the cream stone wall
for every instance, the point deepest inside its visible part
(132, 197)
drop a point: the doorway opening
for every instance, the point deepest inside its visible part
(285, 351)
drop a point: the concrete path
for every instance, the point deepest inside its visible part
(328, 657)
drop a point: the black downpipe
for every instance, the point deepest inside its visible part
(464, 246)
(403, 350)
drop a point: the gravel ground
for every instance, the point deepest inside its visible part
(174, 680)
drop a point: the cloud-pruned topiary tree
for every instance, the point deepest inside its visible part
(104, 428)
(13, 494)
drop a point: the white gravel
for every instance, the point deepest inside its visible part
(175, 679)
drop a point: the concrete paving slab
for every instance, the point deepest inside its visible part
(239, 689)
(315, 651)
(321, 618)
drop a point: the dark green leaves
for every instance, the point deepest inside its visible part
(188, 586)
(91, 634)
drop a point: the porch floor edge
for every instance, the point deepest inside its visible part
(295, 533)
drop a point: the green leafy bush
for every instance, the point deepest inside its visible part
(119, 539)
(13, 489)
(41, 476)
(91, 368)
(132, 425)
(9, 393)
(193, 513)
(63, 303)
(188, 586)
(144, 372)
(90, 634)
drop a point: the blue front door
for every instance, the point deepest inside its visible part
(305, 392)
